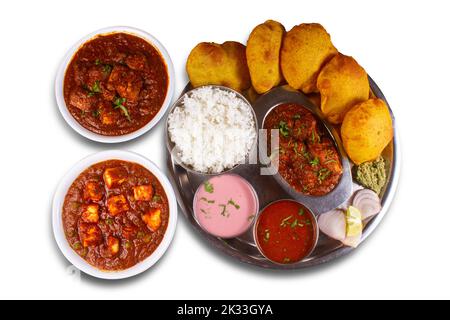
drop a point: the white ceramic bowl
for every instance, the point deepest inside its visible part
(59, 86)
(58, 202)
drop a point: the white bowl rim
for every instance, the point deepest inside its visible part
(59, 86)
(58, 201)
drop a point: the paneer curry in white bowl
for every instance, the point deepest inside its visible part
(114, 214)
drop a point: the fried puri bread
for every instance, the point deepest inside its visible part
(342, 83)
(306, 48)
(263, 55)
(219, 64)
(367, 130)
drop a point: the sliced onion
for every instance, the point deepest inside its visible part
(333, 224)
(349, 202)
(367, 202)
(353, 241)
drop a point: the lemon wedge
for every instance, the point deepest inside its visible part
(354, 222)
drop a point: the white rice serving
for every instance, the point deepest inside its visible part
(213, 130)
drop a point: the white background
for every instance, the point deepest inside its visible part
(404, 46)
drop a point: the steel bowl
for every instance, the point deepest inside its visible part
(172, 148)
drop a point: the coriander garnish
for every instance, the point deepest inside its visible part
(306, 154)
(107, 69)
(207, 201)
(224, 210)
(95, 89)
(284, 129)
(296, 149)
(315, 162)
(234, 204)
(285, 221)
(323, 174)
(208, 187)
(315, 138)
(96, 113)
(118, 104)
(156, 198)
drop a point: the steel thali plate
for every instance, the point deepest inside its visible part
(271, 188)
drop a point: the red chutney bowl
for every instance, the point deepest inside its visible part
(286, 232)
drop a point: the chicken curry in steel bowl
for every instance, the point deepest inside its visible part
(118, 82)
(308, 158)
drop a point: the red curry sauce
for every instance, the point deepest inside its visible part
(286, 232)
(115, 214)
(115, 84)
(308, 158)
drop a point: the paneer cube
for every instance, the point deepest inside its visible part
(143, 193)
(152, 219)
(117, 205)
(90, 213)
(93, 191)
(114, 177)
(113, 245)
(90, 234)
